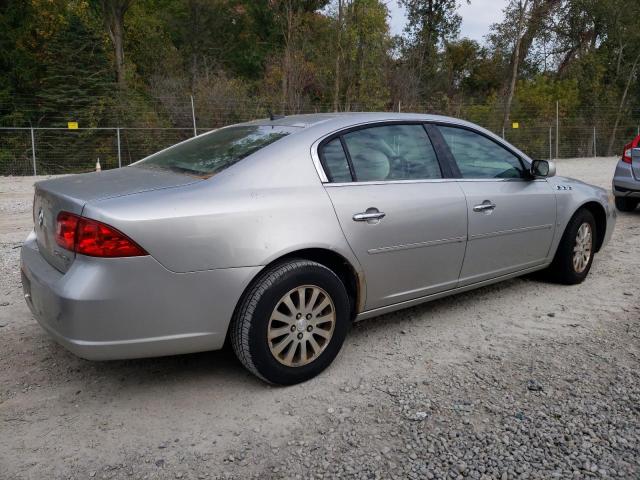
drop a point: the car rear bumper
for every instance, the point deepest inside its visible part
(105, 309)
(625, 183)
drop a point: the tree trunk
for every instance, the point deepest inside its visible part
(514, 65)
(336, 85)
(113, 12)
(623, 100)
(287, 76)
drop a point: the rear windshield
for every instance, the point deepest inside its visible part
(212, 152)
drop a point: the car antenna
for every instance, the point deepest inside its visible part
(273, 117)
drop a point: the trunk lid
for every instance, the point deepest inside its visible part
(71, 193)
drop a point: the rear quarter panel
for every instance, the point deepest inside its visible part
(266, 206)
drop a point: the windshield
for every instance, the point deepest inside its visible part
(211, 153)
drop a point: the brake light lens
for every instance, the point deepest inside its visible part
(626, 153)
(93, 238)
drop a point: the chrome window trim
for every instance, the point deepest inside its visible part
(315, 156)
(316, 160)
(389, 182)
(430, 180)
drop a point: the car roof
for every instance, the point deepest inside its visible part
(322, 124)
(341, 118)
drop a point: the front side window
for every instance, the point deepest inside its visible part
(211, 153)
(479, 157)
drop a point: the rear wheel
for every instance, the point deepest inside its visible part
(574, 256)
(626, 204)
(291, 323)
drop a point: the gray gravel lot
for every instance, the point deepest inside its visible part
(522, 379)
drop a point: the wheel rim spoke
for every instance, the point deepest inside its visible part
(291, 352)
(302, 293)
(322, 333)
(280, 346)
(314, 298)
(324, 304)
(281, 317)
(314, 344)
(278, 332)
(293, 333)
(289, 304)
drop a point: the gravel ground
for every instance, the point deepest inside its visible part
(522, 379)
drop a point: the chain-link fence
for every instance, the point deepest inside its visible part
(49, 151)
(45, 150)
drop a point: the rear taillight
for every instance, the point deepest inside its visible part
(93, 238)
(66, 226)
(626, 153)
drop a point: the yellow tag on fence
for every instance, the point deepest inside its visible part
(515, 125)
(72, 125)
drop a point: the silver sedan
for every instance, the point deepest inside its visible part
(276, 234)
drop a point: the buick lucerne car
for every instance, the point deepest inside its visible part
(626, 180)
(275, 235)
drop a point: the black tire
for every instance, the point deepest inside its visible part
(626, 204)
(562, 269)
(249, 327)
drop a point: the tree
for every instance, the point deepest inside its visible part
(430, 25)
(624, 38)
(112, 13)
(520, 10)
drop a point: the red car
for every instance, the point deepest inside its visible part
(626, 180)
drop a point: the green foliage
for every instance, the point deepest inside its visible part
(241, 58)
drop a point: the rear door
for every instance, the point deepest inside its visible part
(405, 222)
(511, 216)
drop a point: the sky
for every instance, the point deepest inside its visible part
(476, 17)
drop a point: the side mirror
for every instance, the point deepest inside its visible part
(542, 168)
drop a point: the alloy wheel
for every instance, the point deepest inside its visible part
(301, 325)
(582, 248)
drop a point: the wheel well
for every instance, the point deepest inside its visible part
(336, 263)
(600, 217)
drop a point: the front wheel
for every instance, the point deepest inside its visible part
(626, 204)
(291, 323)
(574, 256)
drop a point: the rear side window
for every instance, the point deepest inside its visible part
(383, 153)
(479, 157)
(335, 161)
(212, 152)
(392, 152)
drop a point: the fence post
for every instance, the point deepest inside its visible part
(399, 106)
(193, 115)
(594, 142)
(550, 144)
(119, 157)
(557, 129)
(503, 133)
(33, 151)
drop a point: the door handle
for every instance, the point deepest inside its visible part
(370, 214)
(485, 206)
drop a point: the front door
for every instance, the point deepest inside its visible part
(405, 223)
(511, 216)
